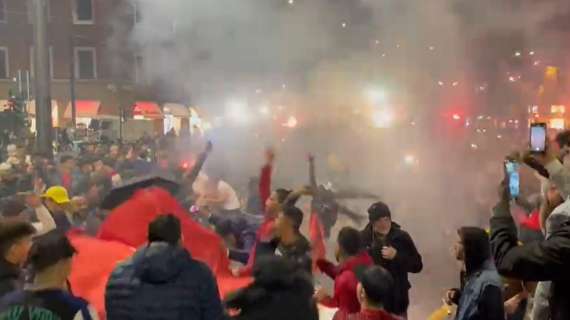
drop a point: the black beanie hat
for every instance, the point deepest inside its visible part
(378, 210)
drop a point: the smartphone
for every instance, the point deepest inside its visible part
(538, 137)
(512, 170)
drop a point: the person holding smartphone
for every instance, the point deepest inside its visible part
(550, 163)
(546, 260)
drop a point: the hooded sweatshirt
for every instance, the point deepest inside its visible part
(162, 281)
(345, 282)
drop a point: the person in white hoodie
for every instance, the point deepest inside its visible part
(15, 210)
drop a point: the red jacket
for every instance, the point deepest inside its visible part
(345, 282)
(265, 231)
(265, 184)
(370, 315)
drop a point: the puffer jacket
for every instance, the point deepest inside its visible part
(407, 260)
(162, 281)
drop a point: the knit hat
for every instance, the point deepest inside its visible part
(378, 210)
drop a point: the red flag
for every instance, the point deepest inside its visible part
(92, 266)
(128, 224)
(125, 229)
(532, 221)
(316, 235)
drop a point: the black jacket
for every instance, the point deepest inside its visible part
(280, 291)
(407, 260)
(10, 277)
(47, 303)
(547, 260)
(162, 282)
(298, 252)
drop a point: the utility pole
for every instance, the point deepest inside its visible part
(72, 82)
(42, 80)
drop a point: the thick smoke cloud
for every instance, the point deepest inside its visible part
(328, 52)
(196, 49)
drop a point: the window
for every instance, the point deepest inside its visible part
(33, 60)
(557, 124)
(3, 11)
(83, 12)
(4, 71)
(557, 109)
(85, 63)
(30, 9)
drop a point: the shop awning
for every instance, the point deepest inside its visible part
(84, 109)
(147, 109)
(177, 110)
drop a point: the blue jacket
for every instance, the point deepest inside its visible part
(162, 282)
(475, 287)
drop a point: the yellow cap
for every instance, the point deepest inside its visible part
(57, 194)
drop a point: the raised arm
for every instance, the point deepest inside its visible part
(191, 177)
(265, 177)
(312, 174)
(45, 223)
(538, 261)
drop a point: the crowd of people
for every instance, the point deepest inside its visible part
(504, 274)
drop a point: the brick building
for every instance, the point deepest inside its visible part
(95, 33)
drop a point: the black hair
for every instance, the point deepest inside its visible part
(13, 208)
(65, 158)
(349, 241)
(280, 291)
(11, 232)
(282, 195)
(563, 138)
(295, 215)
(49, 249)
(165, 228)
(378, 285)
(476, 247)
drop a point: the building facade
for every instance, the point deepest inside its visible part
(87, 37)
